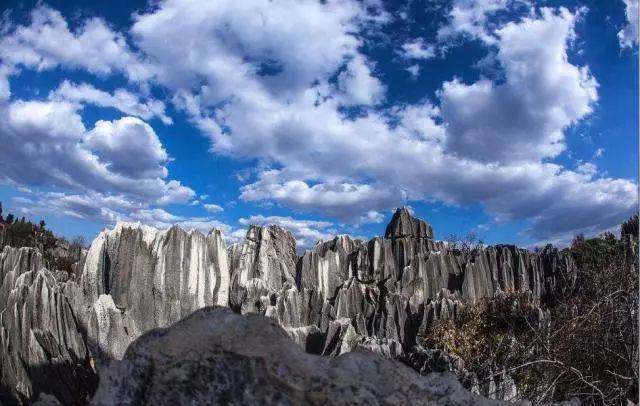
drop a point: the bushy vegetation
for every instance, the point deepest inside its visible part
(59, 254)
(581, 345)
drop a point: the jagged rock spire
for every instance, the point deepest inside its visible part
(403, 224)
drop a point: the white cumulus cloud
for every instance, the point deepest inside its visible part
(628, 36)
(121, 99)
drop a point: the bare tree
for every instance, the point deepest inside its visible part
(468, 245)
(583, 344)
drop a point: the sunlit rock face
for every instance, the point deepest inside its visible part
(382, 294)
(13, 263)
(340, 296)
(263, 264)
(403, 224)
(389, 288)
(136, 278)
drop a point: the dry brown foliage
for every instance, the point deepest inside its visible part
(583, 345)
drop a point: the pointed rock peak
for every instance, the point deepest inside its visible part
(403, 224)
(272, 232)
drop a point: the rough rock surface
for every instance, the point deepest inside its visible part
(403, 224)
(343, 295)
(42, 345)
(266, 262)
(136, 278)
(218, 357)
(13, 263)
(383, 293)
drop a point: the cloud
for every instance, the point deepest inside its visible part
(417, 50)
(213, 208)
(45, 143)
(598, 153)
(47, 42)
(471, 18)
(628, 36)
(359, 85)
(128, 146)
(371, 216)
(524, 118)
(414, 70)
(120, 99)
(270, 81)
(306, 232)
(174, 191)
(343, 200)
(277, 47)
(587, 168)
(5, 88)
(109, 209)
(463, 152)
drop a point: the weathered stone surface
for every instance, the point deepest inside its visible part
(268, 254)
(343, 295)
(42, 347)
(13, 263)
(403, 224)
(216, 357)
(152, 278)
(3, 236)
(327, 266)
(264, 264)
(78, 266)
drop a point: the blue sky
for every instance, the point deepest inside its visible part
(516, 120)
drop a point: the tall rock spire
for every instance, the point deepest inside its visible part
(403, 224)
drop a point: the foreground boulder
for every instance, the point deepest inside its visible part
(216, 356)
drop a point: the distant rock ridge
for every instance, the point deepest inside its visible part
(341, 295)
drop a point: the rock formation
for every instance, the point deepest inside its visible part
(215, 356)
(43, 347)
(381, 294)
(389, 288)
(136, 278)
(13, 263)
(266, 262)
(344, 295)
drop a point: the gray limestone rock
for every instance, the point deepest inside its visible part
(136, 278)
(263, 272)
(269, 256)
(217, 357)
(403, 224)
(13, 263)
(42, 346)
(341, 296)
